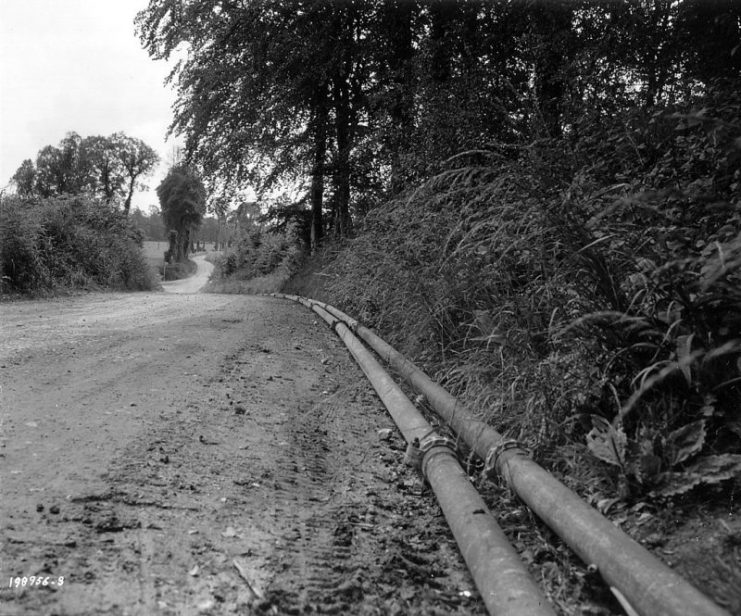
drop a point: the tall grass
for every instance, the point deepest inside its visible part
(558, 286)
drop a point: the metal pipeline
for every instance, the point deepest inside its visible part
(506, 587)
(649, 586)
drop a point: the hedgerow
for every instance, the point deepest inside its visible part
(66, 243)
(260, 261)
(585, 294)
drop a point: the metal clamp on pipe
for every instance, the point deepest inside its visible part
(492, 463)
(432, 445)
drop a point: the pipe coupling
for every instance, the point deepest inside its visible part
(494, 455)
(432, 445)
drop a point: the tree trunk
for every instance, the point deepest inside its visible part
(183, 245)
(127, 204)
(344, 121)
(317, 173)
(342, 164)
(553, 29)
(398, 27)
(172, 251)
(108, 192)
(441, 14)
(221, 237)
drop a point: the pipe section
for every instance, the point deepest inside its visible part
(649, 586)
(500, 576)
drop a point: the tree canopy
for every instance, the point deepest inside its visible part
(357, 100)
(110, 168)
(182, 198)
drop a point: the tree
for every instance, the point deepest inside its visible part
(552, 50)
(219, 205)
(182, 198)
(107, 176)
(137, 159)
(108, 167)
(358, 99)
(284, 82)
(230, 85)
(712, 34)
(395, 35)
(25, 178)
(62, 170)
(320, 115)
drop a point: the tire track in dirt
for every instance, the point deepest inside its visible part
(251, 480)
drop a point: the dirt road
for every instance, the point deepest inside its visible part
(204, 454)
(193, 283)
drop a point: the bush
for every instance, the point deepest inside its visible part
(261, 262)
(63, 243)
(178, 270)
(21, 240)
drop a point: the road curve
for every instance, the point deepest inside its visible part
(194, 283)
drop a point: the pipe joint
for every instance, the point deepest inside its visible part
(432, 445)
(494, 460)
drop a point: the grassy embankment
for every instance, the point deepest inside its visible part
(587, 301)
(259, 262)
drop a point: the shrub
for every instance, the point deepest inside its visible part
(259, 252)
(21, 243)
(178, 270)
(62, 243)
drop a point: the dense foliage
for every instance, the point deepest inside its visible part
(258, 259)
(109, 168)
(183, 203)
(68, 242)
(352, 101)
(258, 252)
(586, 294)
(153, 227)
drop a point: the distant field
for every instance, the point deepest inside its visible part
(155, 253)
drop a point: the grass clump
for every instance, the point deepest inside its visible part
(67, 243)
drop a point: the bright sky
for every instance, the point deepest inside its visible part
(76, 65)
